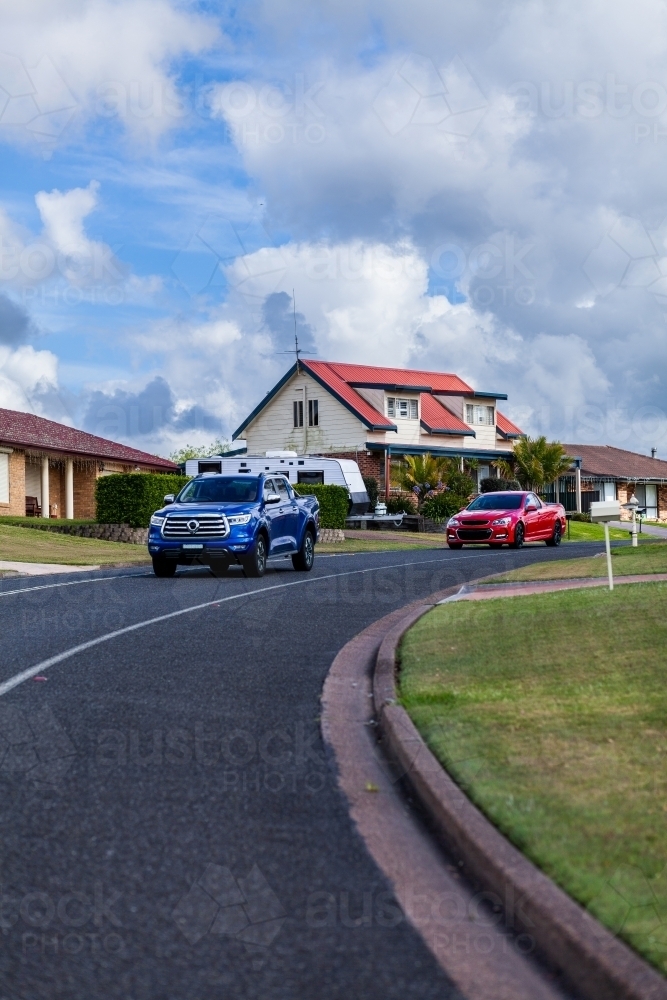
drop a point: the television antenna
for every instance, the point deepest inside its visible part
(296, 351)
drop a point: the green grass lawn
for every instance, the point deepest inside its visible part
(551, 711)
(386, 542)
(28, 545)
(582, 531)
(646, 558)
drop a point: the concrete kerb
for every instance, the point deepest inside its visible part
(597, 964)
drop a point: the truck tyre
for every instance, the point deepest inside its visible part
(163, 567)
(556, 537)
(519, 536)
(255, 563)
(303, 559)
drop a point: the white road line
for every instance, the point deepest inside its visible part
(69, 583)
(39, 668)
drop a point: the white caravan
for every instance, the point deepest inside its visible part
(302, 470)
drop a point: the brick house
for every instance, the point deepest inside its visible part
(373, 414)
(59, 465)
(608, 473)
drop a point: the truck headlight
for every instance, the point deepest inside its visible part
(157, 520)
(239, 519)
(502, 521)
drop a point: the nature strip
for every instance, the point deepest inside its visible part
(597, 964)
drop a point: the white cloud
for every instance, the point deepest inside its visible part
(26, 375)
(113, 59)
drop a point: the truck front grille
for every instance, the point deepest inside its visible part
(195, 526)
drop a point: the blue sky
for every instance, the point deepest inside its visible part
(471, 191)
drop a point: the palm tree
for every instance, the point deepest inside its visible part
(538, 462)
(421, 474)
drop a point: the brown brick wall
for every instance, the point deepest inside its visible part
(662, 503)
(16, 505)
(85, 478)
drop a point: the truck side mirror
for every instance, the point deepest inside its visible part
(169, 498)
(272, 498)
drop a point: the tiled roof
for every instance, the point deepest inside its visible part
(369, 375)
(327, 375)
(25, 430)
(437, 419)
(604, 460)
(506, 427)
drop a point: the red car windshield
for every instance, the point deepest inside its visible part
(497, 501)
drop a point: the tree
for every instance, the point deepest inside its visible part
(422, 475)
(538, 462)
(218, 447)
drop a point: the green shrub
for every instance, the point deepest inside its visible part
(371, 484)
(401, 505)
(460, 484)
(493, 485)
(442, 506)
(334, 503)
(131, 498)
(585, 516)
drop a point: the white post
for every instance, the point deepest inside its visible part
(45, 487)
(634, 528)
(69, 488)
(577, 476)
(608, 548)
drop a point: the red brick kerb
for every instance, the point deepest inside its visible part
(597, 964)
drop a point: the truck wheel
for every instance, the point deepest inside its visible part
(163, 567)
(255, 564)
(555, 538)
(303, 559)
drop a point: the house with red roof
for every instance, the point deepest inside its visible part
(372, 414)
(50, 469)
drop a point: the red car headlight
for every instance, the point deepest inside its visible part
(504, 521)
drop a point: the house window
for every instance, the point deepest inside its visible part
(313, 413)
(480, 414)
(406, 409)
(4, 478)
(298, 412)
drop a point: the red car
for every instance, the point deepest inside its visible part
(509, 518)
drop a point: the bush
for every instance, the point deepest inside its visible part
(131, 498)
(371, 484)
(442, 506)
(492, 485)
(460, 484)
(401, 505)
(334, 503)
(580, 517)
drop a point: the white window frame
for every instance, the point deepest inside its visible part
(4, 478)
(480, 415)
(402, 409)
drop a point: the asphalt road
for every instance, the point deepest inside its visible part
(171, 826)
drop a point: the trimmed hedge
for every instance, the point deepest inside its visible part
(131, 498)
(334, 503)
(371, 484)
(491, 485)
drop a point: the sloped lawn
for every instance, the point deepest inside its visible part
(551, 710)
(28, 545)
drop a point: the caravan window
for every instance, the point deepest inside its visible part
(310, 478)
(210, 467)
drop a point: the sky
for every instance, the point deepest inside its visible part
(475, 188)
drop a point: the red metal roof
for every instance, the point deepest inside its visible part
(506, 427)
(25, 430)
(325, 373)
(436, 418)
(371, 375)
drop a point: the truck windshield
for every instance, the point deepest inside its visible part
(220, 489)
(497, 501)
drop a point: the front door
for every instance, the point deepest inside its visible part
(532, 518)
(275, 515)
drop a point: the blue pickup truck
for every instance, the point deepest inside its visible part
(223, 520)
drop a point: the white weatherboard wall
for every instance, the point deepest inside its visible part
(273, 427)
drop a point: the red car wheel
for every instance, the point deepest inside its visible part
(519, 536)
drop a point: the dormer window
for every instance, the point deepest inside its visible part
(480, 414)
(406, 409)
